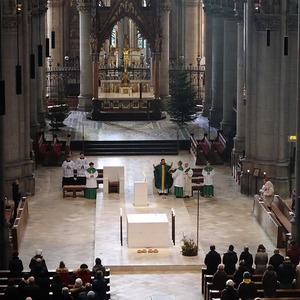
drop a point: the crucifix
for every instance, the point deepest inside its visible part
(126, 50)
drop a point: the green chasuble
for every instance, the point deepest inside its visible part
(162, 178)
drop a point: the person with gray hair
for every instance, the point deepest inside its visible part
(220, 277)
(83, 295)
(230, 292)
(65, 294)
(38, 257)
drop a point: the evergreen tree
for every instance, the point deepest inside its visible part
(182, 106)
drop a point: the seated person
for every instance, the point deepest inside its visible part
(84, 274)
(15, 265)
(63, 272)
(99, 285)
(77, 288)
(98, 266)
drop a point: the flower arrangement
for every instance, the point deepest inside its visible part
(189, 247)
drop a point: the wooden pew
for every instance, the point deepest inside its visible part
(197, 180)
(281, 218)
(268, 221)
(280, 293)
(73, 189)
(196, 151)
(207, 282)
(5, 275)
(276, 298)
(20, 222)
(283, 212)
(100, 177)
(203, 273)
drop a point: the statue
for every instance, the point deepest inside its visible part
(126, 50)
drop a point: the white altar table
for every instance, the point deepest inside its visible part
(148, 230)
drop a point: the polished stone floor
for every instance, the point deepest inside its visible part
(76, 230)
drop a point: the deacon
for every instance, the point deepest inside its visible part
(187, 183)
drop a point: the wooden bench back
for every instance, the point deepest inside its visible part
(19, 225)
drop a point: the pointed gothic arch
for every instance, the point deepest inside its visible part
(147, 19)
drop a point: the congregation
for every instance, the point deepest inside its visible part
(37, 284)
(277, 271)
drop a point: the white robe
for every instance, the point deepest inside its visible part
(68, 168)
(82, 165)
(187, 187)
(91, 179)
(208, 176)
(178, 178)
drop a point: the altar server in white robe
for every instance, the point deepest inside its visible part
(187, 180)
(91, 174)
(178, 180)
(68, 167)
(82, 165)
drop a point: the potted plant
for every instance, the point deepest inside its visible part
(189, 247)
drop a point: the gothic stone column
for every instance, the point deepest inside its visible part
(267, 100)
(217, 69)
(164, 66)
(86, 70)
(239, 140)
(192, 31)
(230, 74)
(208, 62)
(55, 21)
(16, 138)
(37, 84)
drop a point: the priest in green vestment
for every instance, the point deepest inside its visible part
(91, 174)
(162, 177)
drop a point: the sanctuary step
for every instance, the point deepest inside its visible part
(167, 147)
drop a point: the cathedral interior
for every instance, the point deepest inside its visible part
(110, 58)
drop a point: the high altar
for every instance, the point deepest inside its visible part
(124, 86)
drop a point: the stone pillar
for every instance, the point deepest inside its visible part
(5, 245)
(156, 70)
(217, 69)
(55, 21)
(164, 66)
(38, 84)
(208, 63)
(270, 85)
(86, 71)
(239, 140)
(229, 75)
(16, 138)
(192, 31)
(95, 57)
(296, 227)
